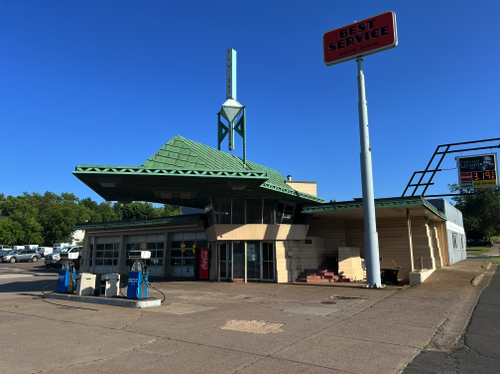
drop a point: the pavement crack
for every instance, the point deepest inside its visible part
(123, 327)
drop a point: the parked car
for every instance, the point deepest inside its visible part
(4, 252)
(54, 259)
(45, 251)
(5, 247)
(18, 255)
(479, 242)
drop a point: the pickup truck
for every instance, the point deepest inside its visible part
(54, 259)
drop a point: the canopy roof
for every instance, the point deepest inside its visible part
(386, 208)
(188, 173)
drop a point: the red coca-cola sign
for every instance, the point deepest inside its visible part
(204, 262)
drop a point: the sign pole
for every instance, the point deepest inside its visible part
(349, 42)
(372, 259)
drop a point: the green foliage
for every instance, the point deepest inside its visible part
(21, 224)
(481, 211)
(168, 210)
(51, 218)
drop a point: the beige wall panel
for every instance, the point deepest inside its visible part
(422, 250)
(332, 231)
(281, 262)
(256, 232)
(301, 256)
(443, 242)
(306, 187)
(394, 246)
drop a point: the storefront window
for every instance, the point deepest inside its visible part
(254, 210)
(269, 216)
(238, 211)
(249, 211)
(222, 210)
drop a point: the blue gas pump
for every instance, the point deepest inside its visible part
(66, 279)
(138, 277)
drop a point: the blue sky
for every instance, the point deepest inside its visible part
(108, 82)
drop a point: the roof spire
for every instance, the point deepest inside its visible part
(231, 110)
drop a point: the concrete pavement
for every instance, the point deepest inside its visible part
(213, 327)
(477, 351)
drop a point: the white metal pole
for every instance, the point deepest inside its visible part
(372, 258)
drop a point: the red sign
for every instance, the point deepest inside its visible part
(360, 38)
(203, 269)
(466, 176)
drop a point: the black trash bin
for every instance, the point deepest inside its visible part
(389, 276)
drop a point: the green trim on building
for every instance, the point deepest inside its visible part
(117, 169)
(379, 203)
(140, 222)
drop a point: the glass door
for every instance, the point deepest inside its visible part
(253, 260)
(225, 262)
(260, 263)
(268, 272)
(238, 260)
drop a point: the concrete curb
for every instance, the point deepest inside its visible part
(146, 303)
(477, 279)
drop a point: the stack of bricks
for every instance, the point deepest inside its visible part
(350, 263)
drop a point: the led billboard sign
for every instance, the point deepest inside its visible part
(477, 171)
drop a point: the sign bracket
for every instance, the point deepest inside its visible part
(426, 176)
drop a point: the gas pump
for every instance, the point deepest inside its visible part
(138, 277)
(66, 280)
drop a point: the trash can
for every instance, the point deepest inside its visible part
(389, 276)
(110, 285)
(85, 284)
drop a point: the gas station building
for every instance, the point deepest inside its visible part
(251, 223)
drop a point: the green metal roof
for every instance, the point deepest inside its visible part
(185, 172)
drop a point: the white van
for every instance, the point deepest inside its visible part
(45, 250)
(58, 246)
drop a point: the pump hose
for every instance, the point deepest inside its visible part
(50, 284)
(164, 297)
(122, 285)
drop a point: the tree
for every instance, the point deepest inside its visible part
(51, 218)
(106, 211)
(134, 210)
(480, 208)
(20, 224)
(167, 210)
(10, 231)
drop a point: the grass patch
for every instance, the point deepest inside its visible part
(495, 259)
(477, 250)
